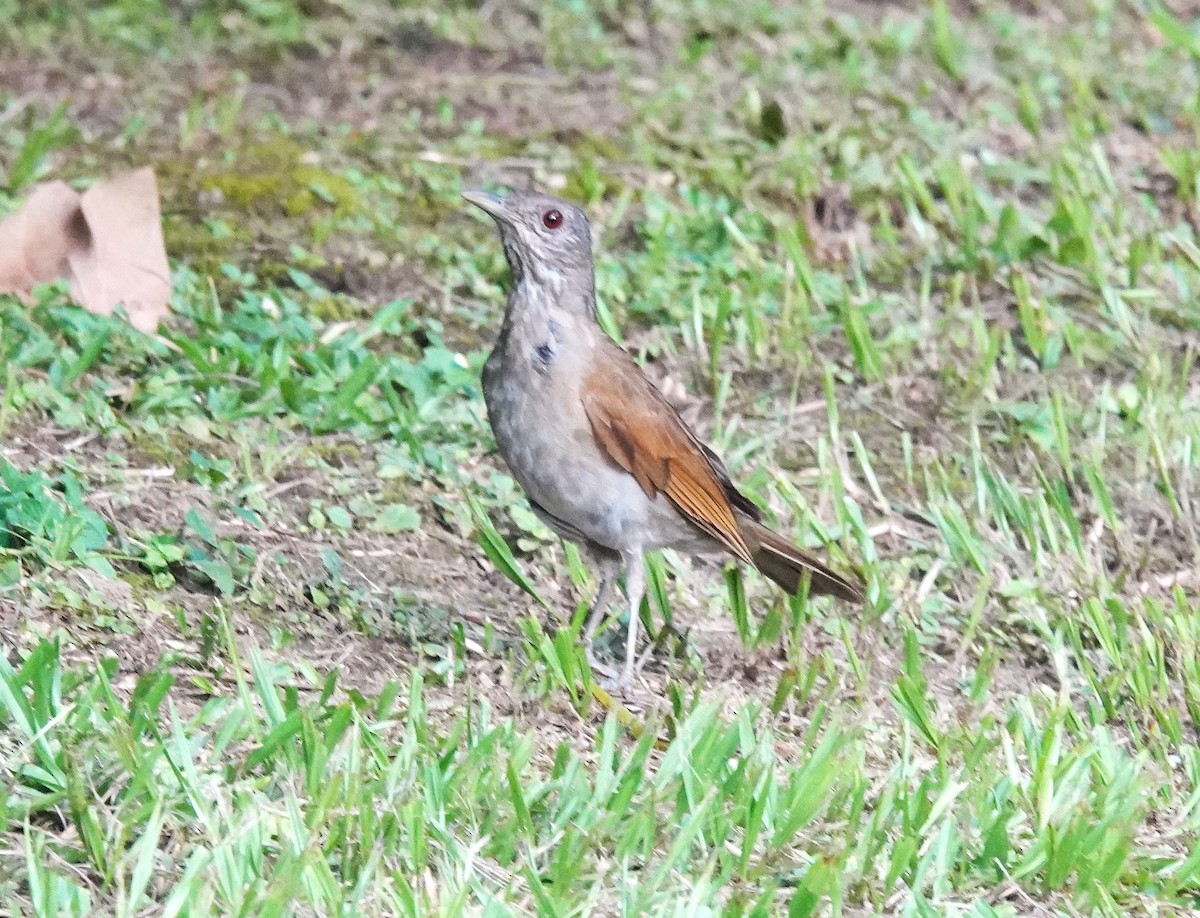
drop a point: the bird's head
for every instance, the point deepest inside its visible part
(545, 240)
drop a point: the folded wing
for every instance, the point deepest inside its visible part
(639, 431)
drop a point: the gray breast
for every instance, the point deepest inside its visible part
(544, 436)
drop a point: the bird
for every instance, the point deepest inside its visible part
(604, 459)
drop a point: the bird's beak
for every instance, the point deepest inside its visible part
(489, 203)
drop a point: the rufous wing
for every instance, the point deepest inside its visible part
(641, 433)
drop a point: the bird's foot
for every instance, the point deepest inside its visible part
(621, 681)
(606, 672)
(619, 685)
(615, 681)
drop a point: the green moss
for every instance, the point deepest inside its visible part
(596, 146)
(141, 585)
(339, 309)
(337, 455)
(399, 491)
(586, 184)
(246, 192)
(423, 206)
(271, 179)
(166, 448)
(202, 244)
(249, 204)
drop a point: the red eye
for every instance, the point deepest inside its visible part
(552, 219)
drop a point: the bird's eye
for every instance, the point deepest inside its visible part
(552, 219)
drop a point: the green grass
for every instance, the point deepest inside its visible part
(282, 637)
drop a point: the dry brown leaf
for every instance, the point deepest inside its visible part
(36, 240)
(107, 241)
(126, 262)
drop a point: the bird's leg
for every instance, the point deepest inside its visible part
(609, 566)
(635, 589)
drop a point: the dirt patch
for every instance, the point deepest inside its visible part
(100, 102)
(134, 493)
(357, 83)
(872, 10)
(511, 91)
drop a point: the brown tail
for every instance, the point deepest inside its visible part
(786, 564)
